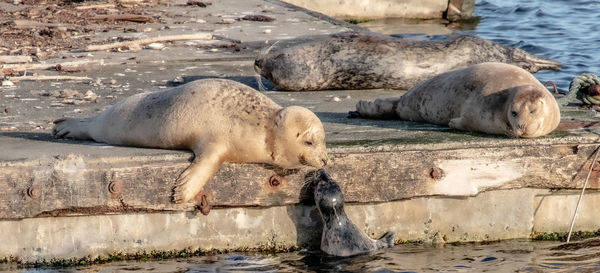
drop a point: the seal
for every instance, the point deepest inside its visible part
(493, 98)
(219, 120)
(359, 61)
(341, 237)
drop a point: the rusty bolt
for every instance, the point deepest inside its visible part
(202, 201)
(596, 166)
(276, 180)
(33, 192)
(436, 173)
(115, 187)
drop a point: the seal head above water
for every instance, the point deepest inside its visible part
(340, 236)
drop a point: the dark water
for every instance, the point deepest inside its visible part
(564, 30)
(507, 256)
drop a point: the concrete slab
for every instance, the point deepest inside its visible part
(489, 216)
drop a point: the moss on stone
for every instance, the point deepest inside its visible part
(562, 236)
(270, 248)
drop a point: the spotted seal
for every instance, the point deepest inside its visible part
(360, 61)
(493, 98)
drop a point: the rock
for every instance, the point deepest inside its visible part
(336, 99)
(90, 96)
(7, 83)
(198, 3)
(267, 31)
(258, 18)
(227, 21)
(178, 79)
(70, 93)
(156, 46)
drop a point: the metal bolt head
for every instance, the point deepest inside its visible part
(276, 181)
(202, 203)
(115, 187)
(436, 173)
(33, 192)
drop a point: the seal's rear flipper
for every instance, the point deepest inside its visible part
(75, 128)
(387, 240)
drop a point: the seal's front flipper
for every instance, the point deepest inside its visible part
(387, 240)
(192, 180)
(456, 123)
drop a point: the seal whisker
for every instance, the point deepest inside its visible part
(261, 56)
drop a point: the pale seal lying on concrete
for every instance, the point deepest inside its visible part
(219, 120)
(493, 98)
(340, 236)
(358, 61)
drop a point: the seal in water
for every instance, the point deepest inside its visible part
(219, 120)
(493, 98)
(340, 236)
(359, 61)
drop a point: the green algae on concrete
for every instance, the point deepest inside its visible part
(562, 236)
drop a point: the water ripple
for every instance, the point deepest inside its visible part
(567, 31)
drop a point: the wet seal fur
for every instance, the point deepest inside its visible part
(360, 61)
(340, 236)
(493, 98)
(219, 120)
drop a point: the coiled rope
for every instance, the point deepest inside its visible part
(585, 87)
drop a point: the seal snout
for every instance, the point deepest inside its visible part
(258, 64)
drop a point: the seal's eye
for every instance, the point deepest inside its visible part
(514, 113)
(308, 143)
(532, 111)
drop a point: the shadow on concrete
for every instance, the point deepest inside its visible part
(305, 216)
(251, 81)
(47, 137)
(342, 118)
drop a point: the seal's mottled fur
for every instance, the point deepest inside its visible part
(493, 98)
(340, 236)
(358, 61)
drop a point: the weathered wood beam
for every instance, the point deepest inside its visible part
(76, 184)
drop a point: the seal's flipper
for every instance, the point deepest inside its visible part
(387, 240)
(381, 108)
(75, 128)
(192, 180)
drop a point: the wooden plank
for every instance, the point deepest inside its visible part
(75, 185)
